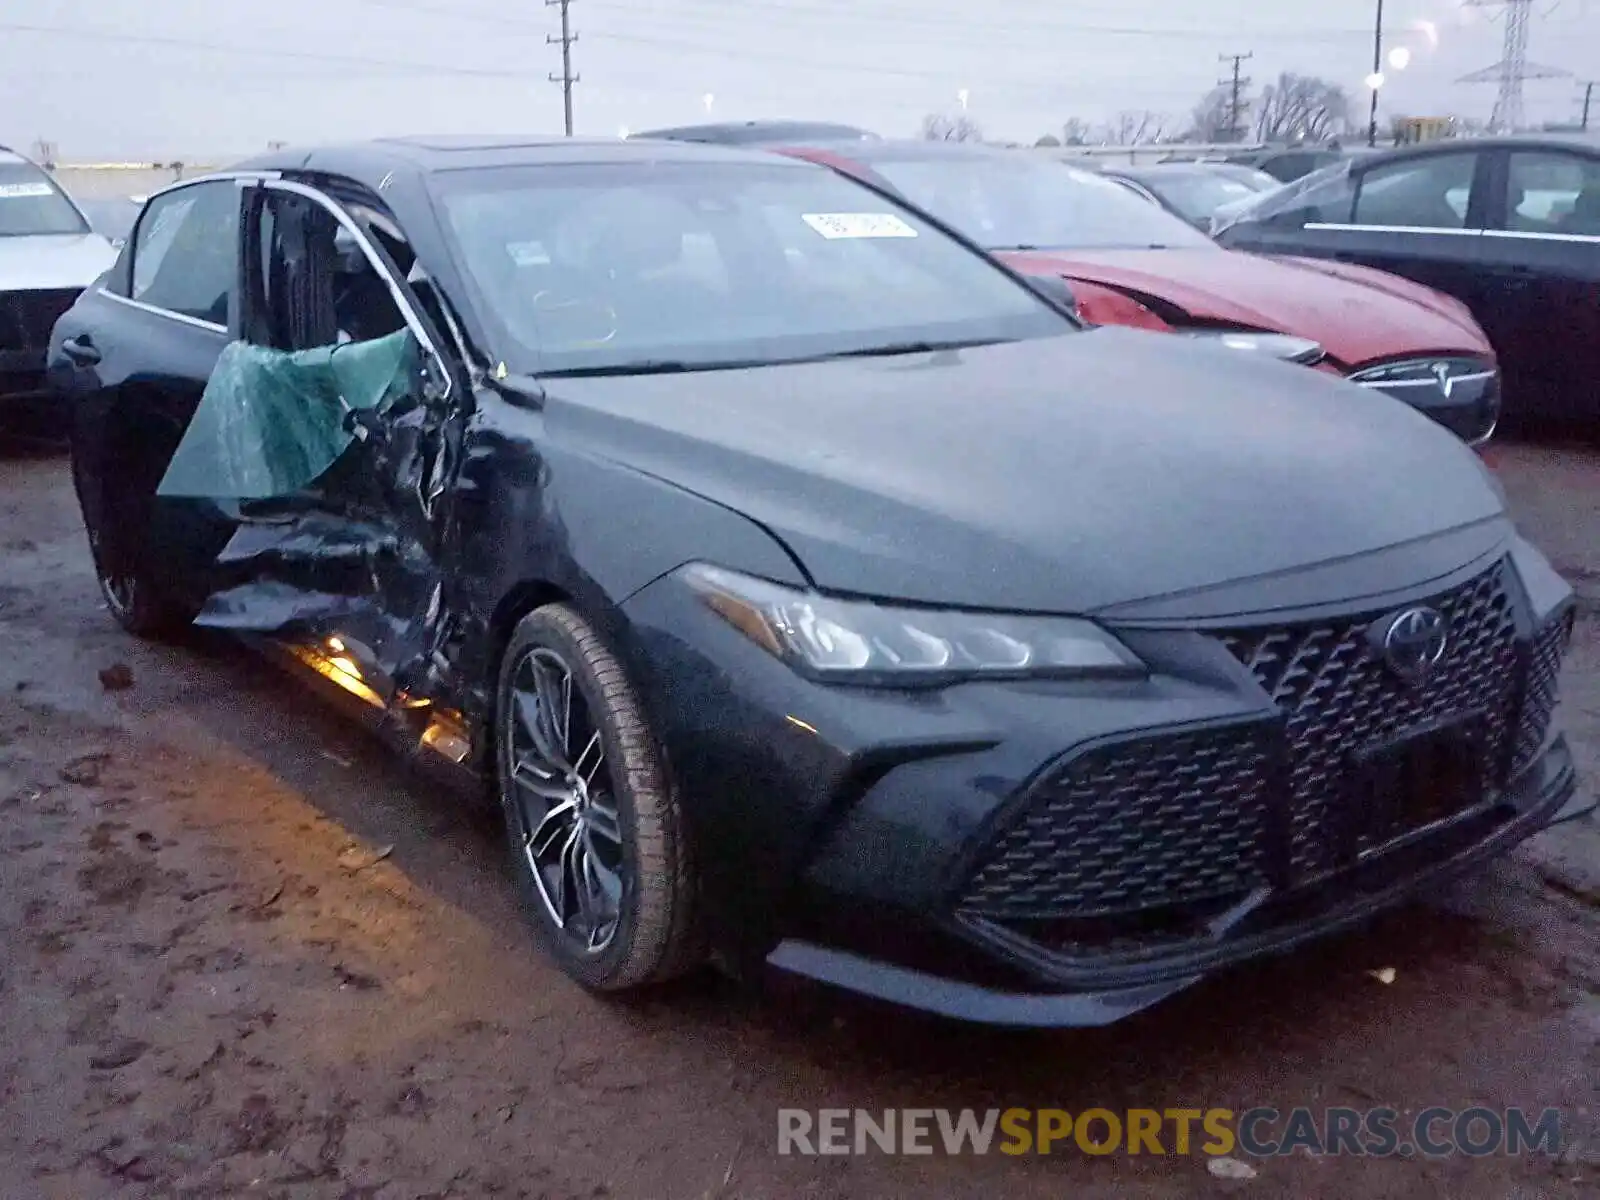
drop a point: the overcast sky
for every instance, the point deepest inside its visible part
(157, 79)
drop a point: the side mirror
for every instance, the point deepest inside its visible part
(1058, 292)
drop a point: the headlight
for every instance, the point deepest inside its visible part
(856, 642)
(1268, 345)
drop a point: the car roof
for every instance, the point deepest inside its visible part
(384, 163)
(427, 154)
(906, 149)
(729, 133)
(1589, 144)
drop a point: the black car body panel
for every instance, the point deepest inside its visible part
(1068, 501)
(1530, 271)
(1243, 527)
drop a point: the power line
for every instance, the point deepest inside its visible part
(1236, 87)
(346, 60)
(566, 79)
(717, 12)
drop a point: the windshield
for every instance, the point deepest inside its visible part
(1015, 202)
(1198, 194)
(111, 218)
(31, 204)
(653, 266)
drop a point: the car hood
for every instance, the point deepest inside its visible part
(55, 261)
(1064, 474)
(1357, 316)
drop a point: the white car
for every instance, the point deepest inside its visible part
(48, 254)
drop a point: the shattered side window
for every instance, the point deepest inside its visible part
(1322, 197)
(272, 422)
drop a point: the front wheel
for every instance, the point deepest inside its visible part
(598, 841)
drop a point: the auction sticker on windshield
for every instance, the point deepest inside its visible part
(858, 225)
(16, 191)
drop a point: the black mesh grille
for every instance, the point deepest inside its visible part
(1340, 698)
(1542, 688)
(1182, 818)
(1145, 823)
(28, 318)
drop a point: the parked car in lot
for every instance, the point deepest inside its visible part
(1508, 226)
(753, 133)
(111, 217)
(1288, 163)
(1192, 191)
(48, 254)
(1128, 262)
(807, 588)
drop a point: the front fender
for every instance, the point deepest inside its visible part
(535, 518)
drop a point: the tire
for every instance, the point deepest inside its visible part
(644, 873)
(136, 602)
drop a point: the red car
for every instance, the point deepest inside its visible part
(1129, 262)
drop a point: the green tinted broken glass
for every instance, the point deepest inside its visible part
(270, 422)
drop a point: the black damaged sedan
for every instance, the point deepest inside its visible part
(807, 589)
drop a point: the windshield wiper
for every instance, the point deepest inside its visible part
(648, 366)
(894, 348)
(672, 366)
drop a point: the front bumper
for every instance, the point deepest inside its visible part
(1462, 394)
(1055, 853)
(1270, 925)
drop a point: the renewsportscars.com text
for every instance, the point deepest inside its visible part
(1255, 1133)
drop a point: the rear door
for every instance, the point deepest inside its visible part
(1420, 217)
(1541, 302)
(331, 425)
(134, 356)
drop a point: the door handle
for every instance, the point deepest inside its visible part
(81, 350)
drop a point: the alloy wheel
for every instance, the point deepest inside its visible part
(118, 588)
(563, 801)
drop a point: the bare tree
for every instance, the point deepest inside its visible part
(937, 127)
(1075, 132)
(1135, 128)
(1212, 119)
(1302, 108)
(1048, 140)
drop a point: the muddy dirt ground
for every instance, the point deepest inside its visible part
(212, 985)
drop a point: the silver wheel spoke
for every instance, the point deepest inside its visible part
(556, 822)
(583, 767)
(602, 819)
(527, 773)
(534, 717)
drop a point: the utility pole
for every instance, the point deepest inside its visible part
(1376, 81)
(1588, 95)
(1237, 85)
(566, 79)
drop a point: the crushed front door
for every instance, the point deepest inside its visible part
(329, 422)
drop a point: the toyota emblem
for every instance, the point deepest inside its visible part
(1414, 643)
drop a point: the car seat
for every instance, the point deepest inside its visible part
(1585, 215)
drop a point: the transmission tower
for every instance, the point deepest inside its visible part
(1513, 69)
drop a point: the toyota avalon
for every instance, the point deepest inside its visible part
(804, 587)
